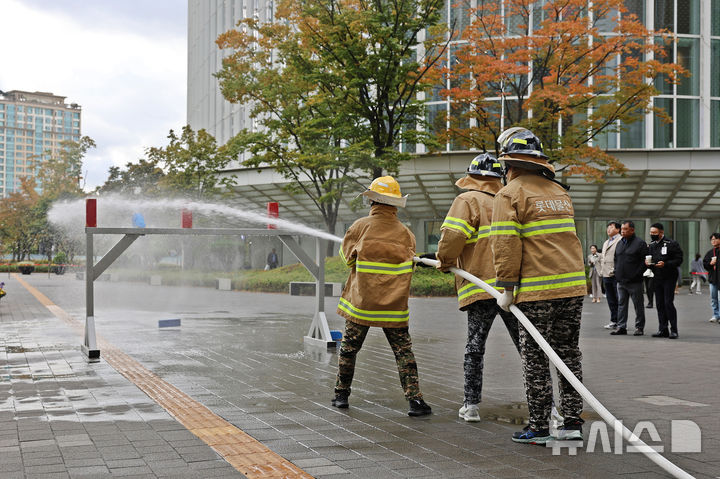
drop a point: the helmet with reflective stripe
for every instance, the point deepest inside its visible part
(520, 147)
(385, 190)
(485, 164)
(520, 140)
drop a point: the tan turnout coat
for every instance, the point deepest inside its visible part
(465, 240)
(379, 249)
(534, 242)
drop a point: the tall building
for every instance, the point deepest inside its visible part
(673, 168)
(32, 127)
(206, 107)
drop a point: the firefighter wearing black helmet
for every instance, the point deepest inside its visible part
(464, 244)
(538, 260)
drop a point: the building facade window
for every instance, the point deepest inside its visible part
(685, 103)
(680, 101)
(432, 235)
(715, 74)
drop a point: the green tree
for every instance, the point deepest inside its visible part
(569, 70)
(332, 88)
(192, 163)
(365, 53)
(60, 175)
(24, 224)
(143, 177)
(20, 224)
(298, 134)
(60, 178)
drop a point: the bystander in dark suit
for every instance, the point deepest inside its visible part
(629, 268)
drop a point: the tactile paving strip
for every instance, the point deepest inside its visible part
(241, 450)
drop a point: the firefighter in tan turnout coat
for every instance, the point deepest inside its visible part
(465, 243)
(539, 261)
(380, 251)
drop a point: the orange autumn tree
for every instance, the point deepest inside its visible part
(569, 70)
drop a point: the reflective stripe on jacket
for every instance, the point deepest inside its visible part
(464, 242)
(535, 246)
(379, 249)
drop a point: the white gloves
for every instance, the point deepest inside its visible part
(506, 300)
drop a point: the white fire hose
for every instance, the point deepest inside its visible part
(618, 426)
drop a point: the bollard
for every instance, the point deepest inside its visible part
(273, 211)
(138, 220)
(186, 218)
(91, 213)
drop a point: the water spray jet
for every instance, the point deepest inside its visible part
(319, 333)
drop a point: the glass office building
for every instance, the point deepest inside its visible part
(673, 168)
(206, 107)
(693, 103)
(32, 127)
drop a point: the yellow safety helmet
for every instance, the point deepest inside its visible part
(385, 190)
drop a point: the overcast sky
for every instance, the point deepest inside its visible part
(123, 61)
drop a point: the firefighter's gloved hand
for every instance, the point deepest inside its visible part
(427, 256)
(506, 300)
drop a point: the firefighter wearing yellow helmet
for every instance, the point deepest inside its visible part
(379, 250)
(539, 262)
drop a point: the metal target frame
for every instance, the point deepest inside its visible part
(319, 332)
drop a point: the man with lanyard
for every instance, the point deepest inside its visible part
(465, 244)
(538, 259)
(380, 250)
(608, 271)
(666, 257)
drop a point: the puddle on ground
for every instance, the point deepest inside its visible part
(40, 349)
(244, 321)
(517, 413)
(513, 413)
(34, 377)
(295, 355)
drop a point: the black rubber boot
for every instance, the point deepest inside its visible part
(419, 408)
(341, 401)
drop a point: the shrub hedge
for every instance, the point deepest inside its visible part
(425, 281)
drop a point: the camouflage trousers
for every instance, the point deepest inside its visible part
(558, 321)
(399, 339)
(481, 315)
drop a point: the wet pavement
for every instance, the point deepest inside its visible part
(63, 417)
(242, 356)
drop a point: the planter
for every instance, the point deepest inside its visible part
(58, 269)
(26, 268)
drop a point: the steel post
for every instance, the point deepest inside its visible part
(319, 333)
(320, 248)
(89, 348)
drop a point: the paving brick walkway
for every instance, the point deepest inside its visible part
(63, 417)
(241, 355)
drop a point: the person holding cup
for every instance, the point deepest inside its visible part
(664, 259)
(710, 262)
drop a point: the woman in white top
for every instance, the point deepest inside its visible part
(698, 273)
